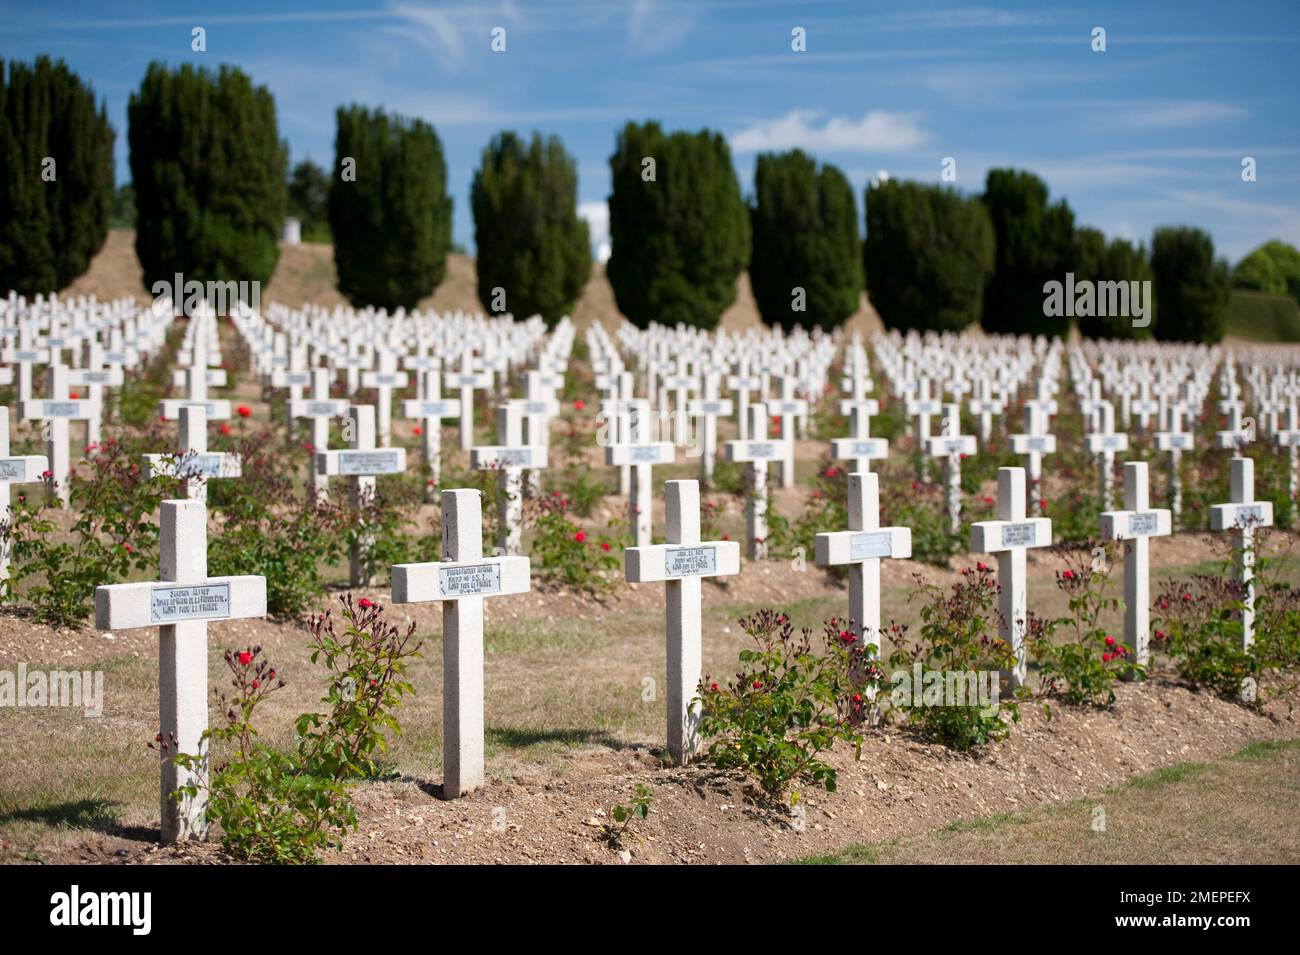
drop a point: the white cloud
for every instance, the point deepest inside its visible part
(597, 216)
(433, 29)
(653, 29)
(1192, 113)
(877, 131)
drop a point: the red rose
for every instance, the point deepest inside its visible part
(758, 685)
(365, 603)
(257, 684)
(225, 428)
(579, 404)
(605, 546)
(74, 396)
(713, 686)
(1110, 641)
(245, 658)
(580, 537)
(243, 411)
(417, 430)
(1068, 574)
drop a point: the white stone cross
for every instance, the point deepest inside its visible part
(94, 378)
(986, 406)
(197, 377)
(362, 463)
(1288, 436)
(430, 408)
(319, 409)
(862, 547)
(759, 451)
(1031, 446)
(1136, 525)
(1104, 442)
(511, 457)
(385, 381)
(180, 604)
(710, 408)
(538, 406)
(680, 563)
(952, 446)
(787, 408)
(192, 463)
(1009, 537)
(58, 411)
(1236, 436)
(1174, 441)
(468, 381)
(641, 455)
(23, 469)
(1240, 518)
(461, 580)
(742, 383)
(922, 408)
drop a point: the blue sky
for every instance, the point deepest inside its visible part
(1150, 132)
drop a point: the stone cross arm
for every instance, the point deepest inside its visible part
(959, 444)
(1225, 517)
(760, 450)
(1033, 443)
(452, 580)
(655, 452)
(216, 410)
(658, 562)
(208, 464)
(318, 408)
(359, 462)
(153, 604)
(24, 469)
(420, 408)
(990, 537)
(48, 409)
(1127, 525)
(859, 448)
(847, 547)
(497, 457)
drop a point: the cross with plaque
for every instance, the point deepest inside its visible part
(23, 469)
(1174, 441)
(641, 456)
(511, 458)
(1136, 525)
(952, 447)
(681, 563)
(986, 406)
(430, 409)
(362, 463)
(1288, 436)
(94, 378)
(1240, 518)
(742, 383)
(1104, 442)
(787, 409)
(468, 381)
(180, 604)
(862, 547)
(319, 409)
(461, 580)
(1009, 537)
(385, 381)
(58, 411)
(193, 464)
(759, 451)
(922, 408)
(1031, 446)
(197, 378)
(710, 408)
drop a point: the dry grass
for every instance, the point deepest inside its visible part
(1238, 810)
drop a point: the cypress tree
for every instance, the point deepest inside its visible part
(391, 219)
(56, 176)
(929, 252)
(678, 226)
(531, 242)
(1100, 262)
(309, 191)
(1191, 288)
(805, 236)
(1035, 245)
(208, 168)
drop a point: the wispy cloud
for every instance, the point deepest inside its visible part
(877, 131)
(653, 28)
(1191, 113)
